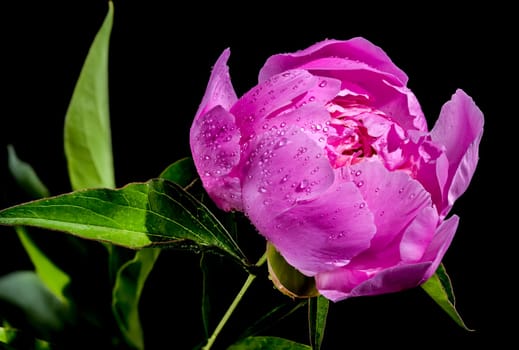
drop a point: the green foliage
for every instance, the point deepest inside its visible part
(25, 175)
(87, 134)
(439, 288)
(52, 276)
(317, 314)
(28, 301)
(139, 215)
(268, 343)
(127, 292)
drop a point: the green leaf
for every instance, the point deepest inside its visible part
(439, 288)
(268, 343)
(317, 314)
(127, 291)
(52, 277)
(7, 334)
(274, 316)
(88, 145)
(182, 172)
(138, 215)
(132, 275)
(28, 304)
(25, 175)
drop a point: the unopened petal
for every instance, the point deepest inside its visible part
(290, 196)
(459, 129)
(356, 49)
(219, 91)
(214, 140)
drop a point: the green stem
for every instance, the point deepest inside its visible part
(233, 306)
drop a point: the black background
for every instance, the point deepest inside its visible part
(160, 61)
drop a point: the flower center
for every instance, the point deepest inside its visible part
(358, 130)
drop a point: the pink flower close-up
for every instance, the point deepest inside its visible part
(331, 158)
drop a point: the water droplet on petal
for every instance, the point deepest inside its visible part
(302, 185)
(262, 189)
(281, 143)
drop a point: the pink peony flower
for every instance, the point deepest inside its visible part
(331, 158)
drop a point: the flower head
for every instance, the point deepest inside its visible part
(330, 157)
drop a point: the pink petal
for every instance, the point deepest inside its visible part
(385, 91)
(418, 235)
(337, 285)
(283, 168)
(214, 141)
(280, 93)
(350, 281)
(393, 197)
(289, 197)
(433, 175)
(219, 91)
(356, 49)
(440, 243)
(459, 129)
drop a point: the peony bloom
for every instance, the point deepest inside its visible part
(331, 159)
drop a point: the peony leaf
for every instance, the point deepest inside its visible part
(271, 318)
(31, 305)
(127, 291)
(150, 214)
(439, 288)
(268, 343)
(6, 335)
(317, 314)
(25, 175)
(182, 172)
(131, 277)
(52, 276)
(88, 145)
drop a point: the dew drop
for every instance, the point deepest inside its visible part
(358, 172)
(323, 83)
(262, 189)
(302, 185)
(281, 143)
(360, 183)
